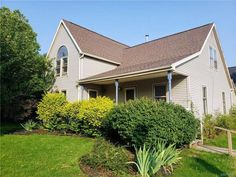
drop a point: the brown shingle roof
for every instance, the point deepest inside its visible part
(153, 54)
(96, 44)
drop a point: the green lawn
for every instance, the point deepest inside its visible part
(50, 155)
(42, 155)
(221, 141)
(198, 163)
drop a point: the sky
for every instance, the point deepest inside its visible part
(129, 21)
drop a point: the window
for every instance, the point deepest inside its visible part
(92, 93)
(204, 96)
(160, 92)
(61, 62)
(224, 104)
(130, 94)
(64, 92)
(213, 58)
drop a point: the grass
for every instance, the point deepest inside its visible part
(198, 163)
(221, 141)
(42, 155)
(48, 155)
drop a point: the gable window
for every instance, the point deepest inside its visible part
(92, 93)
(62, 61)
(160, 92)
(213, 58)
(130, 93)
(224, 103)
(204, 99)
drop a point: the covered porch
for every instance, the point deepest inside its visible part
(165, 85)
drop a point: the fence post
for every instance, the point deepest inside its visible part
(230, 143)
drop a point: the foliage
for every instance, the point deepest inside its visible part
(83, 117)
(107, 156)
(144, 158)
(24, 72)
(92, 113)
(144, 121)
(50, 108)
(150, 160)
(168, 155)
(209, 124)
(226, 121)
(29, 125)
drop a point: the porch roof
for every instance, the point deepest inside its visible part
(135, 76)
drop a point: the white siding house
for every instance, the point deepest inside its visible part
(187, 68)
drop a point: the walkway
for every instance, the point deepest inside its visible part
(214, 149)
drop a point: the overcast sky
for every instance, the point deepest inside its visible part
(128, 22)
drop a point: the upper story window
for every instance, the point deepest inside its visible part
(62, 61)
(213, 58)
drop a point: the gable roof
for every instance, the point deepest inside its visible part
(162, 52)
(232, 71)
(96, 44)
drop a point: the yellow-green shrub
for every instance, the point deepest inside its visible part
(50, 108)
(92, 113)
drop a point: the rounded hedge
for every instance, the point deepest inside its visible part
(145, 121)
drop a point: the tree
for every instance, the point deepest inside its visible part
(25, 74)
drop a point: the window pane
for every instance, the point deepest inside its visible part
(130, 94)
(160, 90)
(92, 94)
(62, 52)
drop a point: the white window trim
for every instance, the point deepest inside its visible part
(131, 88)
(92, 90)
(61, 62)
(159, 84)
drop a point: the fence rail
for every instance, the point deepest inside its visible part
(229, 135)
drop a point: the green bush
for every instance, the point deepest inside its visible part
(225, 121)
(83, 117)
(92, 113)
(208, 126)
(145, 121)
(50, 108)
(108, 157)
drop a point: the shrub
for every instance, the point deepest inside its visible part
(69, 116)
(225, 121)
(108, 157)
(208, 126)
(50, 108)
(144, 120)
(29, 125)
(92, 113)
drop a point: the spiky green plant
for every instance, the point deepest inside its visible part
(29, 125)
(150, 161)
(168, 155)
(144, 160)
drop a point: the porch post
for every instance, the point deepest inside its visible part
(117, 90)
(81, 92)
(169, 77)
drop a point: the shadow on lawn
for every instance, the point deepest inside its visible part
(204, 165)
(8, 128)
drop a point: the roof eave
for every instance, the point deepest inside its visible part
(127, 75)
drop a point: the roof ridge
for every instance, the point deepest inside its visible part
(97, 33)
(171, 35)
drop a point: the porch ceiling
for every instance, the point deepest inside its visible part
(136, 77)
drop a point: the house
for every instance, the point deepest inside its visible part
(187, 68)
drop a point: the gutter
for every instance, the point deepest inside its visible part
(129, 75)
